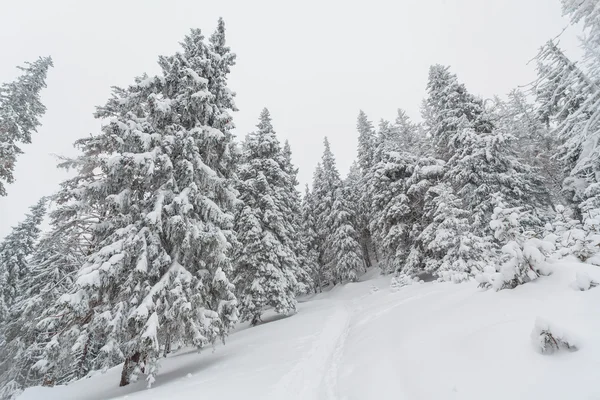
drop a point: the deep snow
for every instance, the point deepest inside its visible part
(365, 341)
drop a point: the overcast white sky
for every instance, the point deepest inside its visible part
(313, 63)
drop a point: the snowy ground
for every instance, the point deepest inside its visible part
(364, 341)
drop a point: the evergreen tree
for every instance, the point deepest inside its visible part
(355, 187)
(15, 250)
(533, 142)
(266, 262)
(20, 113)
(310, 240)
(366, 142)
(158, 271)
(325, 184)
(294, 205)
(447, 105)
(347, 252)
(450, 250)
(568, 100)
(50, 274)
(484, 166)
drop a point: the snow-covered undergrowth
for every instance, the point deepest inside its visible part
(421, 341)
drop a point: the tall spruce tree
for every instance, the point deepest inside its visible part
(310, 240)
(266, 261)
(294, 205)
(15, 249)
(325, 184)
(159, 271)
(20, 113)
(347, 251)
(448, 102)
(50, 274)
(366, 141)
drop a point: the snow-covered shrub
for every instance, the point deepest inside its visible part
(400, 281)
(583, 282)
(565, 232)
(547, 338)
(523, 256)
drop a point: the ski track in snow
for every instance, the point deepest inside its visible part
(305, 379)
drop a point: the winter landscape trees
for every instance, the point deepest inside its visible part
(170, 232)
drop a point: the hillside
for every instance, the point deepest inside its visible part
(367, 341)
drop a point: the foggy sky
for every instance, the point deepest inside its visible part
(313, 63)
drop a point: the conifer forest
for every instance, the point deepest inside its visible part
(457, 258)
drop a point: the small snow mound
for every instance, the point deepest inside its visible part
(547, 338)
(374, 289)
(188, 375)
(583, 282)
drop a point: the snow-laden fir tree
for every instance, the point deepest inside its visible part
(523, 256)
(158, 273)
(50, 274)
(310, 240)
(15, 249)
(366, 141)
(390, 221)
(326, 182)
(533, 142)
(294, 205)
(451, 251)
(485, 165)
(347, 261)
(481, 160)
(394, 212)
(358, 178)
(20, 113)
(354, 187)
(569, 100)
(266, 261)
(448, 103)
(587, 12)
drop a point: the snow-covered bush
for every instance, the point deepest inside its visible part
(583, 282)
(547, 338)
(400, 281)
(523, 256)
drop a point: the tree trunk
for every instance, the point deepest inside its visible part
(167, 346)
(128, 366)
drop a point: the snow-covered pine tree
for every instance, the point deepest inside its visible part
(390, 221)
(20, 113)
(15, 249)
(354, 187)
(450, 250)
(266, 262)
(523, 254)
(410, 137)
(358, 178)
(366, 142)
(448, 103)
(533, 142)
(484, 165)
(568, 101)
(310, 240)
(325, 184)
(159, 271)
(395, 211)
(425, 174)
(588, 12)
(294, 205)
(52, 266)
(348, 260)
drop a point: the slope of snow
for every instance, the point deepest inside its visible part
(365, 341)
